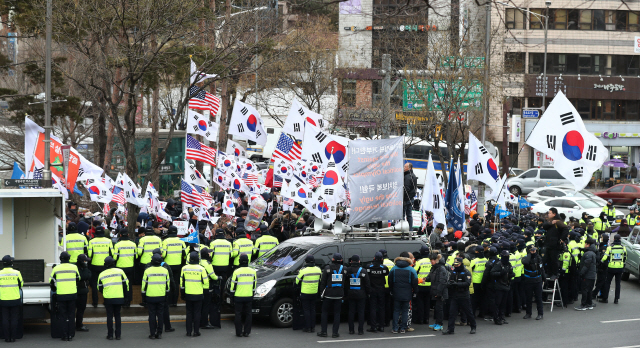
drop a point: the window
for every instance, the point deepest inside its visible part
(557, 203)
(617, 188)
(559, 63)
(559, 18)
(530, 174)
(536, 62)
(629, 188)
(608, 110)
(550, 174)
(271, 131)
(598, 19)
(610, 20)
(349, 93)
(585, 19)
(621, 20)
(584, 64)
(565, 203)
(633, 21)
(588, 204)
(584, 108)
(535, 22)
(514, 62)
(514, 18)
(573, 17)
(324, 255)
(556, 193)
(281, 257)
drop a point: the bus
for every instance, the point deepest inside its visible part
(418, 155)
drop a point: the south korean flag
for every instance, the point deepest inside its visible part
(193, 175)
(200, 125)
(298, 118)
(319, 146)
(283, 168)
(235, 149)
(481, 166)
(299, 192)
(246, 123)
(561, 135)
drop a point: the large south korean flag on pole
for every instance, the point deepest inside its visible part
(561, 134)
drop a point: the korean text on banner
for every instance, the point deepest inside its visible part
(376, 180)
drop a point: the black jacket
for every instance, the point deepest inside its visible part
(487, 281)
(410, 184)
(439, 279)
(588, 263)
(85, 278)
(377, 276)
(403, 280)
(555, 233)
(356, 291)
(459, 283)
(501, 275)
(333, 289)
(533, 268)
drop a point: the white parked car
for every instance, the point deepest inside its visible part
(571, 207)
(544, 193)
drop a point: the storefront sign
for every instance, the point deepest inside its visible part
(542, 160)
(614, 135)
(516, 128)
(611, 87)
(636, 45)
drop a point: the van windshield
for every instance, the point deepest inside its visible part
(281, 257)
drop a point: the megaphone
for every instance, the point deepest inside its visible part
(319, 225)
(401, 226)
(340, 227)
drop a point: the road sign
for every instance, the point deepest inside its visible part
(435, 93)
(23, 182)
(530, 113)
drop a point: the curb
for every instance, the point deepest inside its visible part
(141, 319)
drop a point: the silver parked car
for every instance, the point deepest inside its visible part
(632, 243)
(535, 178)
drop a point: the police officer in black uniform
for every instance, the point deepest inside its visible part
(332, 285)
(83, 290)
(358, 288)
(459, 282)
(377, 280)
(532, 280)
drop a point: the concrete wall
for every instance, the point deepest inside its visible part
(355, 46)
(6, 238)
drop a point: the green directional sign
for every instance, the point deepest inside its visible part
(435, 94)
(463, 62)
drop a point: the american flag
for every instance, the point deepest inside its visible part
(118, 195)
(200, 152)
(206, 197)
(287, 149)
(106, 209)
(236, 196)
(203, 100)
(190, 196)
(250, 179)
(277, 181)
(316, 180)
(471, 202)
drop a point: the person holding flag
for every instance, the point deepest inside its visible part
(455, 206)
(410, 186)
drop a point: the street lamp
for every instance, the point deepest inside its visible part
(546, 28)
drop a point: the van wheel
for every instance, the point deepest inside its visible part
(282, 313)
(625, 276)
(515, 190)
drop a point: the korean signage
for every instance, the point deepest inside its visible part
(441, 94)
(463, 62)
(376, 179)
(530, 113)
(542, 160)
(516, 128)
(636, 45)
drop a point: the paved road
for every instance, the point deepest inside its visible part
(607, 326)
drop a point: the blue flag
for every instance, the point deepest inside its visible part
(455, 215)
(501, 213)
(524, 203)
(17, 172)
(77, 191)
(192, 238)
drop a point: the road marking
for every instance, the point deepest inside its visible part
(620, 321)
(374, 339)
(628, 347)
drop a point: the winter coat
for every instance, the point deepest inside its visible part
(377, 275)
(438, 277)
(459, 283)
(433, 239)
(85, 278)
(410, 184)
(501, 275)
(333, 292)
(533, 265)
(588, 263)
(403, 280)
(634, 171)
(364, 288)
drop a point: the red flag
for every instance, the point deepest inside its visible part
(268, 181)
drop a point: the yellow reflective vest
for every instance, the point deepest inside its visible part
(10, 284)
(241, 246)
(146, 246)
(264, 244)
(423, 268)
(64, 276)
(99, 249)
(221, 251)
(113, 283)
(124, 253)
(310, 278)
(173, 251)
(76, 243)
(194, 279)
(243, 282)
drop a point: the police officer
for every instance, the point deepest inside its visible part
(501, 274)
(265, 243)
(113, 284)
(124, 254)
(632, 218)
(358, 288)
(173, 252)
(11, 284)
(63, 281)
(601, 266)
(221, 252)
(377, 280)
(76, 243)
(532, 280)
(208, 316)
(388, 300)
(173, 288)
(193, 281)
(243, 286)
(155, 287)
(422, 302)
(308, 281)
(459, 283)
(609, 210)
(241, 245)
(573, 247)
(477, 267)
(615, 256)
(83, 290)
(332, 284)
(601, 223)
(565, 277)
(99, 249)
(145, 247)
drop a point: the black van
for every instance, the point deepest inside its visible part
(278, 268)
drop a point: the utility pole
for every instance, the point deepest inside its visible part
(46, 173)
(386, 95)
(485, 92)
(506, 107)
